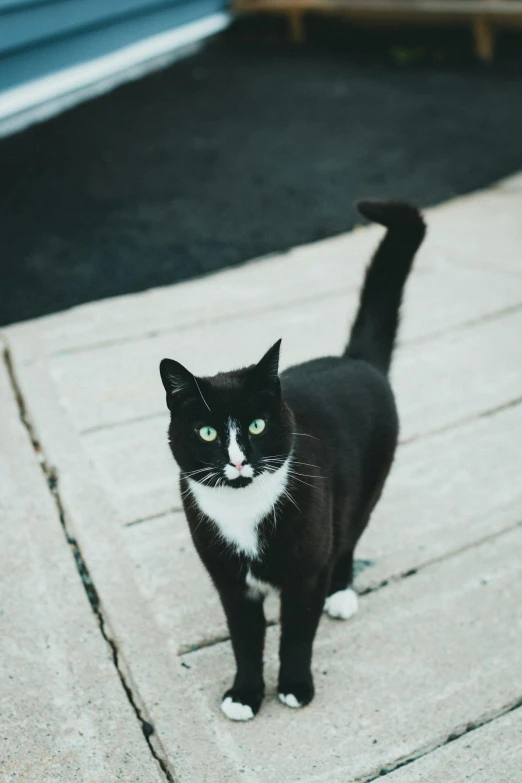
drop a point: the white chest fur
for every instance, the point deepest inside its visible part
(256, 589)
(238, 512)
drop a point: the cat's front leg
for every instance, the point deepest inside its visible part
(301, 607)
(246, 622)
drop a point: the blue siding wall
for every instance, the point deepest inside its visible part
(40, 37)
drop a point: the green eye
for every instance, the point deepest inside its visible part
(208, 433)
(257, 427)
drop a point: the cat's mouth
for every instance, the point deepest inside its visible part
(239, 481)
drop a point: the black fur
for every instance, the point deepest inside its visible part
(336, 416)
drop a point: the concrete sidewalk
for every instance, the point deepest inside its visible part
(129, 687)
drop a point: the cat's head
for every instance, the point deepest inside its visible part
(229, 428)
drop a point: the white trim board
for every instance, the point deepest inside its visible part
(43, 98)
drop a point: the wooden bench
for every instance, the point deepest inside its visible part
(484, 15)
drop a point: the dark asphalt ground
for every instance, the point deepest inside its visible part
(251, 146)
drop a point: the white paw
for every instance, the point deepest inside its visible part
(342, 604)
(235, 710)
(290, 700)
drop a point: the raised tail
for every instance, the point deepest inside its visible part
(375, 328)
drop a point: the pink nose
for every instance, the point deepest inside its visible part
(238, 465)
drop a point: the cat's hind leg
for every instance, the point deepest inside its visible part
(342, 601)
(301, 606)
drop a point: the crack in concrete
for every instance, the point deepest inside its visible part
(136, 420)
(426, 434)
(334, 293)
(454, 735)
(393, 579)
(483, 415)
(51, 476)
(439, 559)
(462, 422)
(152, 517)
(94, 600)
(505, 406)
(199, 322)
(494, 315)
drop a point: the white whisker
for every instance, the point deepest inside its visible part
(265, 487)
(193, 472)
(303, 482)
(199, 390)
(287, 494)
(292, 461)
(306, 475)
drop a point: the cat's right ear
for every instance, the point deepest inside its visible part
(265, 374)
(177, 380)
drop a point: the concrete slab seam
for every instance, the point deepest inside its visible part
(493, 316)
(212, 642)
(462, 422)
(159, 515)
(434, 560)
(455, 425)
(505, 406)
(185, 327)
(462, 327)
(454, 735)
(116, 424)
(156, 749)
(427, 434)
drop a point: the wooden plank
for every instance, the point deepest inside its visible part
(484, 38)
(390, 7)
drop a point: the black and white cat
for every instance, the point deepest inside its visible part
(280, 473)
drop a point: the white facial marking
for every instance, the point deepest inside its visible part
(235, 454)
(247, 471)
(238, 512)
(256, 589)
(290, 700)
(342, 605)
(231, 472)
(235, 710)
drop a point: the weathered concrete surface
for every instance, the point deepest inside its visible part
(490, 754)
(429, 654)
(482, 225)
(65, 716)
(141, 478)
(136, 467)
(112, 384)
(422, 659)
(174, 583)
(438, 501)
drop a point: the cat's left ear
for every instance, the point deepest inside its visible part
(267, 370)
